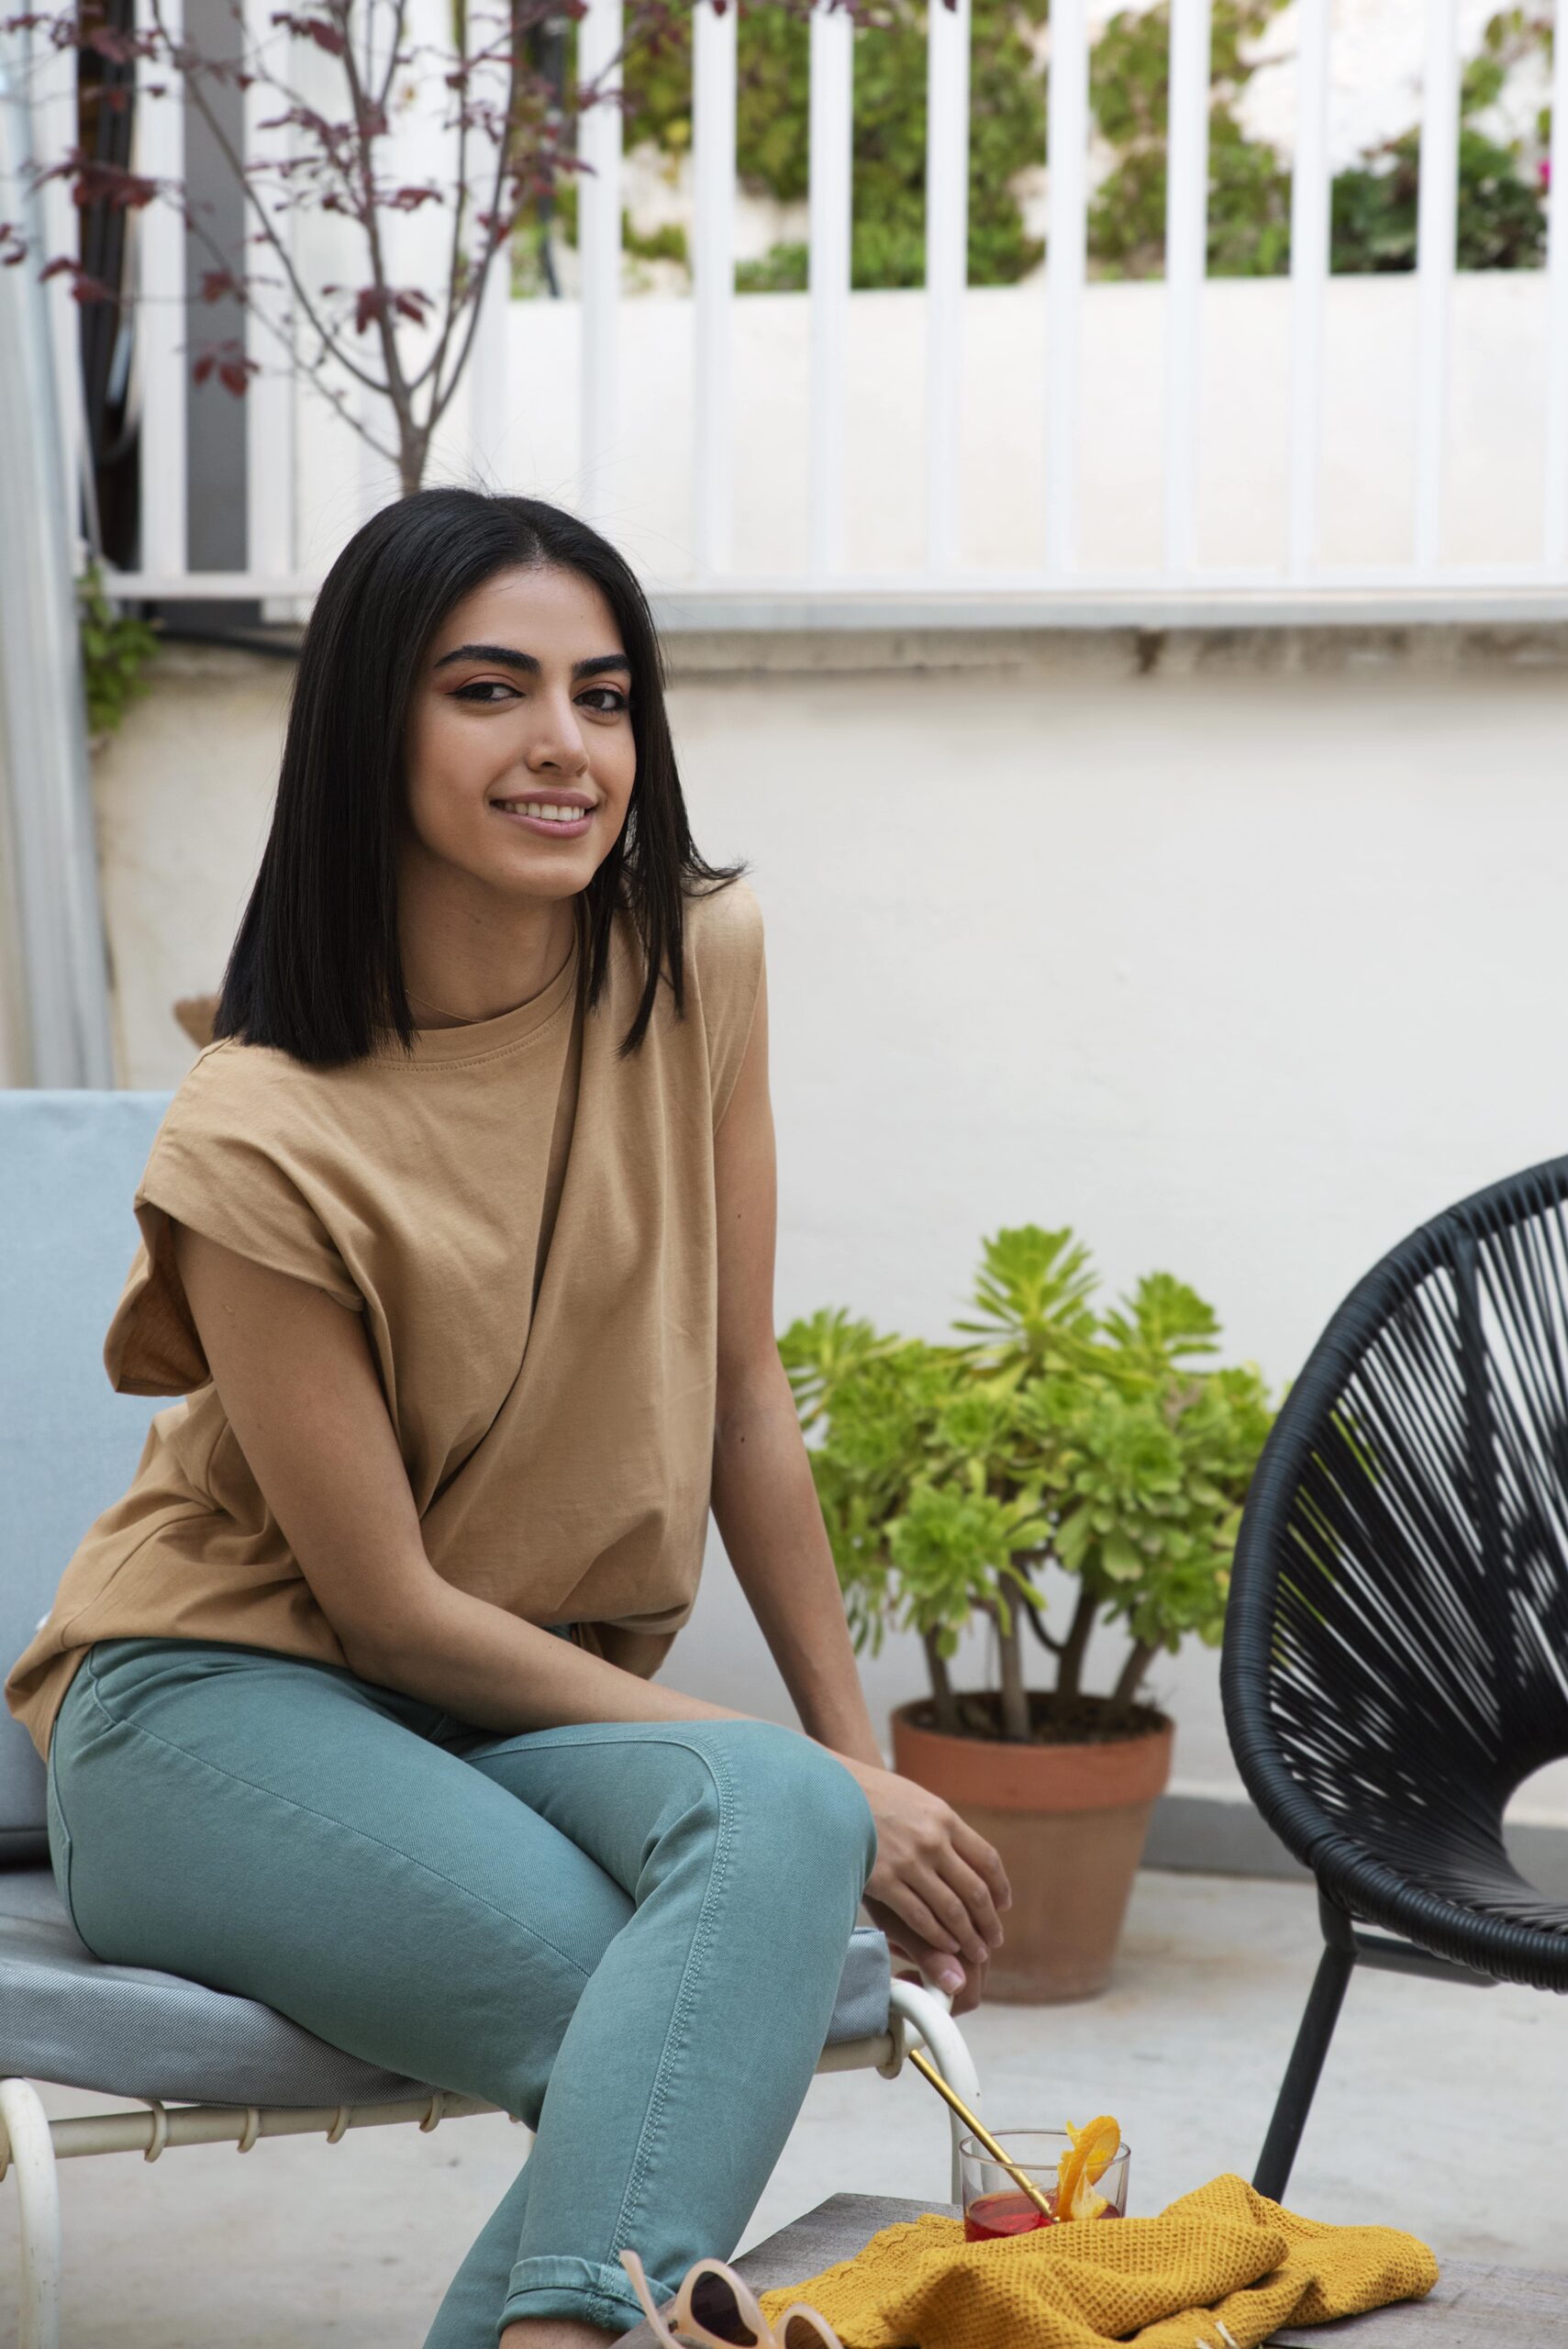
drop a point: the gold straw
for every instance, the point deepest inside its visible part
(982, 2136)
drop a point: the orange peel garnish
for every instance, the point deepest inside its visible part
(1093, 2149)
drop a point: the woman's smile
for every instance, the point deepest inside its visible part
(568, 819)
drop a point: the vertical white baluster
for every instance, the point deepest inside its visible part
(269, 401)
(1437, 217)
(372, 27)
(947, 269)
(832, 166)
(1556, 548)
(600, 137)
(1065, 231)
(490, 374)
(164, 369)
(54, 132)
(1309, 220)
(713, 273)
(1186, 259)
(487, 33)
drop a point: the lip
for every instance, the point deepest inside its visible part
(548, 827)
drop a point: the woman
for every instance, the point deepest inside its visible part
(459, 1241)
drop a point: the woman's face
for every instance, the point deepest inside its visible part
(520, 750)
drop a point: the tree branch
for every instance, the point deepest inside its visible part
(1015, 1697)
(1138, 1663)
(1037, 1625)
(498, 237)
(944, 1704)
(1070, 1676)
(365, 111)
(282, 334)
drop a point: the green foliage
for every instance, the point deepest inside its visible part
(1502, 220)
(1502, 214)
(116, 650)
(948, 1474)
(887, 224)
(1249, 191)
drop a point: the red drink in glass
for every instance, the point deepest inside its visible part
(995, 2215)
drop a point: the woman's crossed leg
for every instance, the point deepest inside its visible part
(630, 1936)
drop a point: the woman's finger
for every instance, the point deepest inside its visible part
(910, 1908)
(938, 1965)
(965, 2000)
(975, 1894)
(984, 1859)
(939, 1897)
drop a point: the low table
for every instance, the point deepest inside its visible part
(1472, 2306)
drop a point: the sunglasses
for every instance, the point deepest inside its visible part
(717, 2310)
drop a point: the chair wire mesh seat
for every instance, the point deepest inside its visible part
(1396, 1656)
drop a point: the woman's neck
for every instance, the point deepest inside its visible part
(469, 954)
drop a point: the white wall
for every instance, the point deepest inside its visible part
(1241, 974)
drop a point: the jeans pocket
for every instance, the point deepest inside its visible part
(58, 1840)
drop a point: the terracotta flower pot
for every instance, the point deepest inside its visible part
(1069, 1820)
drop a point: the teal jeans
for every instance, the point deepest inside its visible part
(630, 1936)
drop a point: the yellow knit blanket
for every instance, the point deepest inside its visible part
(1222, 2256)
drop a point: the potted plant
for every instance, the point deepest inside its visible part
(951, 1476)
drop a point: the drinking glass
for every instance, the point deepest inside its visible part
(993, 2202)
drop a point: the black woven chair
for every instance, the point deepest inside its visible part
(1395, 1657)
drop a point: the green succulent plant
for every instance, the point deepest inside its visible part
(1100, 1441)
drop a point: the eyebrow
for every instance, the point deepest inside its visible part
(528, 665)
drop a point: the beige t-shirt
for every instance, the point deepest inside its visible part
(526, 1221)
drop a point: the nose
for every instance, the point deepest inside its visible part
(557, 735)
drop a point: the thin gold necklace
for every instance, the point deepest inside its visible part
(463, 1019)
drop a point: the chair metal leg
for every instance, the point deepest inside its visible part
(923, 2012)
(29, 2152)
(1300, 2083)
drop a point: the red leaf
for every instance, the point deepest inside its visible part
(409, 199)
(320, 29)
(228, 361)
(84, 287)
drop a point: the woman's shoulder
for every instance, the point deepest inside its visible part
(228, 1068)
(724, 931)
(247, 1102)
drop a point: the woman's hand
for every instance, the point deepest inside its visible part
(936, 1887)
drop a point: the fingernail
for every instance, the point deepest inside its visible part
(950, 1978)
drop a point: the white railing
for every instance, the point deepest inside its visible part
(1054, 580)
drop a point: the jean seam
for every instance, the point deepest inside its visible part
(677, 2036)
(290, 1803)
(51, 1790)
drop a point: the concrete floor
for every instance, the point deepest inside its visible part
(1441, 2111)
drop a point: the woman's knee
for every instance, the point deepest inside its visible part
(804, 1802)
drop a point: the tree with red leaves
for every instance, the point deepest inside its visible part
(386, 337)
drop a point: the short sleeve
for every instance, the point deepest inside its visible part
(214, 1166)
(729, 954)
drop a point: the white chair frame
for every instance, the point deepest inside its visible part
(31, 2144)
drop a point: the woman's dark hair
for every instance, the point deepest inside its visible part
(316, 967)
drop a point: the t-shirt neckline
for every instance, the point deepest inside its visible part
(482, 1039)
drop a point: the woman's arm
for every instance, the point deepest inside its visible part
(299, 1386)
(938, 1885)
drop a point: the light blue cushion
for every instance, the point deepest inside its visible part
(69, 1163)
(127, 2030)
